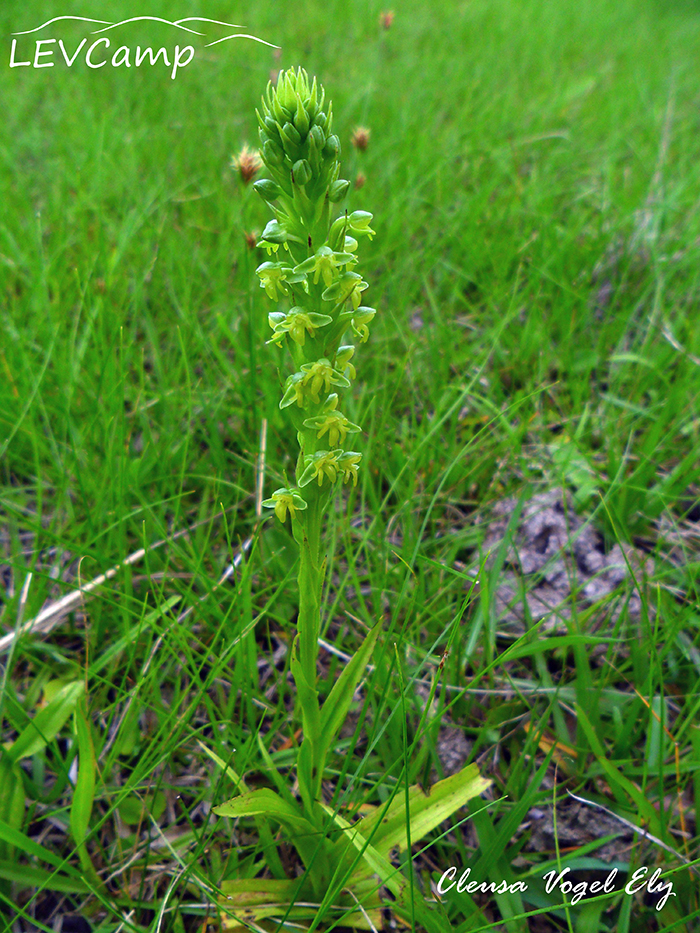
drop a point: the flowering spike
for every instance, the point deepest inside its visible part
(316, 277)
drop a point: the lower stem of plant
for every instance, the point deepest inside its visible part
(310, 581)
(308, 535)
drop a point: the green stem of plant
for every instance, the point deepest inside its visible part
(310, 581)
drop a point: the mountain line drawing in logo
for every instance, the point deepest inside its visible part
(177, 24)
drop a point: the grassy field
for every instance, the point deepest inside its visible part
(532, 171)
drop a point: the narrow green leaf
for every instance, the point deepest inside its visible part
(617, 778)
(133, 633)
(335, 709)
(272, 770)
(28, 876)
(17, 838)
(84, 793)
(227, 769)
(44, 727)
(11, 798)
(266, 838)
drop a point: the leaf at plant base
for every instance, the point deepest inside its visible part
(250, 900)
(251, 891)
(377, 863)
(11, 799)
(386, 827)
(373, 862)
(47, 722)
(265, 802)
(335, 709)
(84, 793)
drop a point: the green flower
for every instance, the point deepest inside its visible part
(324, 463)
(283, 499)
(297, 323)
(333, 422)
(360, 319)
(308, 383)
(293, 391)
(358, 223)
(342, 360)
(275, 276)
(348, 464)
(349, 285)
(320, 375)
(324, 263)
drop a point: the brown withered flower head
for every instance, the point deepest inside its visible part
(247, 163)
(360, 138)
(386, 18)
(360, 180)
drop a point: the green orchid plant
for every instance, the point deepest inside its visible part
(312, 274)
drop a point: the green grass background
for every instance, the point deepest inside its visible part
(533, 172)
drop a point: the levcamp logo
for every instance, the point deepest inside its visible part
(100, 48)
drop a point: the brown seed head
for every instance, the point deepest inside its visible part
(247, 163)
(360, 180)
(386, 18)
(251, 239)
(360, 138)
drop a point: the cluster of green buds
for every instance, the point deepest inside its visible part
(313, 275)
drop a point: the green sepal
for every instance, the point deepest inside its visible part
(301, 172)
(342, 289)
(320, 465)
(338, 190)
(291, 395)
(267, 189)
(332, 148)
(297, 323)
(359, 223)
(274, 232)
(301, 118)
(272, 154)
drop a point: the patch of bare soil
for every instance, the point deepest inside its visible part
(554, 562)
